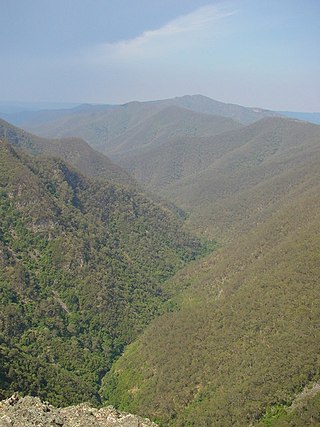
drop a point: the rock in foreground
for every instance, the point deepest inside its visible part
(30, 412)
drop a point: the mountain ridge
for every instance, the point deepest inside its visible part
(228, 340)
(168, 123)
(73, 150)
(200, 175)
(100, 127)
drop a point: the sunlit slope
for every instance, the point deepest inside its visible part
(244, 176)
(231, 181)
(246, 336)
(82, 265)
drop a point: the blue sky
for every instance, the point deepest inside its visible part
(251, 52)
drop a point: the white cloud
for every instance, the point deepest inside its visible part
(185, 30)
(173, 59)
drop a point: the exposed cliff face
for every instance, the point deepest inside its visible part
(30, 412)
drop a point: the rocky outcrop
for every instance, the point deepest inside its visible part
(30, 412)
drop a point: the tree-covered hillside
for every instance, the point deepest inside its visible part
(82, 264)
(72, 150)
(233, 181)
(163, 127)
(245, 340)
(91, 270)
(102, 125)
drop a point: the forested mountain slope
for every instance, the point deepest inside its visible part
(245, 340)
(97, 126)
(82, 264)
(85, 263)
(167, 124)
(100, 125)
(73, 150)
(233, 181)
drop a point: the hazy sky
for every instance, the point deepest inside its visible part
(253, 52)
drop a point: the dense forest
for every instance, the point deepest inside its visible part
(238, 341)
(82, 267)
(178, 280)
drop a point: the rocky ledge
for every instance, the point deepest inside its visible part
(31, 412)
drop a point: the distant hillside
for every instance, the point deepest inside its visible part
(100, 125)
(231, 182)
(15, 108)
(92, 290)
(72, 150)
(244, 342)
(82, 265)
(45, 114)
(166, 125)
(203, 104)
(309, 117)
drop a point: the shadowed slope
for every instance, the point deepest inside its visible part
(72, 150)
(100, 125)
(162, 127)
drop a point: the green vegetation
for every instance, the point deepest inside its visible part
(82, 265)
(75, 151)
(305, 411)
(101, 126)
(245, 337)
(233, 181)
(163, 127)
(96, 306)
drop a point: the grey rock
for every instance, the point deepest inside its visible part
(5, 421)
(31, 412)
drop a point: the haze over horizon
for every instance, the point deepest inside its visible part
(259, 54)
(160, 260)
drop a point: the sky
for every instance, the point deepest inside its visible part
(262, 53)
